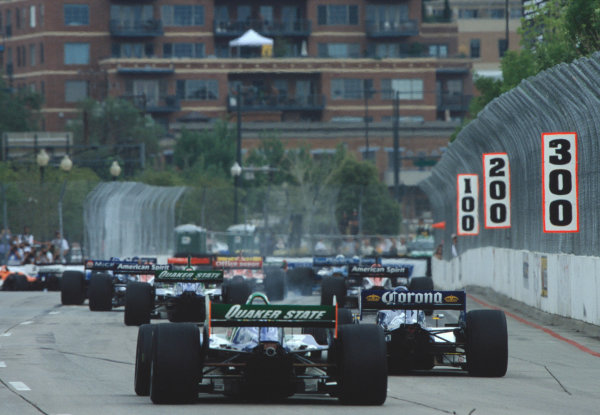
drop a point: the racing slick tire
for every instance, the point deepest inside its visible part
(237, 290)
(15, 282)
(143, 359)
(176, 363)
(320, 334)
(487, 343)
(275, 284)
(331, 286)
(422, 284)
(362, 365)
(301, 280)
(100, 292)
(138, 303)
(72, 288)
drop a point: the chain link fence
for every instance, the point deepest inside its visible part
(565, 98)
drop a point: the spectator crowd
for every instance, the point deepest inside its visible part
(21, 249)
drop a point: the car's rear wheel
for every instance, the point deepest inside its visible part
(177, 362)
(487, 343)
(275, 284)
(301, 280)
(237, 291)
(138, 303)
(72, 288)
(333, 286)
(100, 292)
(143, 359)
(362, 365)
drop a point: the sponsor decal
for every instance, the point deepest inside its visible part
(373, 298)
(408, 297)
(236, 262)
(186, 275)
(451, 299)
(141, 267)
(236, 312)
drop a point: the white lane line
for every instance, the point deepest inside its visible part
(6, 334)
(2, 364)
(54, 312)
(25, 323)
(20, 386)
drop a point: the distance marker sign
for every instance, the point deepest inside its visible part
(496, 190)
(559, 182)
(467, 203)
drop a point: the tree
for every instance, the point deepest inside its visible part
(360, 188)
(209, 152)
(18, 110)
(582, 22)
(115, 129)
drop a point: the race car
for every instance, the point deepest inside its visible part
(181, 294)
(105, 282)
(242, 276)
(477, 342)
(260, 356)
(16, 279)
(362, 273)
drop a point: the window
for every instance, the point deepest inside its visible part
(501, 47)
(369, 155)
(337, 15)
(76, 15)
(349, 88)
(387, 17)
(41, 53)
(180, 15)
(41, 15)
(32, 55)
(438, 51)
(497, 13)
(516, 13)
(475, 48)
(339, 50)
(77, 53)
(32, 16)
(183, 50)
(408, 89)
(76, 91)
(198, 90)
(18, 18)
(468, 13)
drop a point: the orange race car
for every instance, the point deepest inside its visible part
(15, 280)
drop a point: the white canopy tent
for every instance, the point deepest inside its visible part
(251, 39)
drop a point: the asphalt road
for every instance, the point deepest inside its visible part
(67, 360)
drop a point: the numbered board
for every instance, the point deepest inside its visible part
(560, 183)
(467, 204)
(496, 190)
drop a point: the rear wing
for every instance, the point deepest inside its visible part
(236, 262)
(270, 315)
(320, 261)
(399, 274)
(125, 267)
(191, 261)
(412, 300)
(213, 276)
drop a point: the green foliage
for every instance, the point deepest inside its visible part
(582, 22)
(358, 181)
(18, 110)
(209, 152)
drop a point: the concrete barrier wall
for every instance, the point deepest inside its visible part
(566, 285)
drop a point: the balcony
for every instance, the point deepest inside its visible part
(300, 27)
(268, 102)
(381, 28)
(453, 101)
(146, 70)
(136, 28)
(164, 104)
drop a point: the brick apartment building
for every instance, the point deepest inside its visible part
(334, 70)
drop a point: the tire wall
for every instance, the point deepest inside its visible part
(562, 284)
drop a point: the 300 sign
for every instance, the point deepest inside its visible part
(496, 190)
(467, 221)
(560, 182)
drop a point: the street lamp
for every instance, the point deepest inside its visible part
(236, 171)
(65, 165)
(115, 170)
(42, 160)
